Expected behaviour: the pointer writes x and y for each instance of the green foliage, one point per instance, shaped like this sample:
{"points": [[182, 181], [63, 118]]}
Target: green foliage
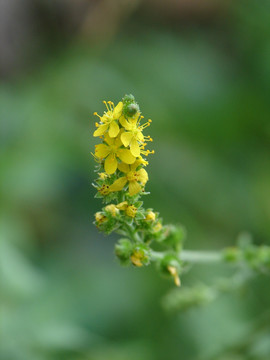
{"points": [[62, 296]]}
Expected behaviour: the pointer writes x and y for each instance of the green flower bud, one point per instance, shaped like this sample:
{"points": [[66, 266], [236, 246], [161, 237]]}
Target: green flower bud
{"points": [[100, 218], [174, 236], [123, 251], [170, 266], [112, 210], [128, 99], [140, 255], [130, 107]]}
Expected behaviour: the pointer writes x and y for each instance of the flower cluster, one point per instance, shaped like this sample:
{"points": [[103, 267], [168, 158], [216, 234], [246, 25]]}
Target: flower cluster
{"points": [[121, 161], [122, 153], [121, 158]]}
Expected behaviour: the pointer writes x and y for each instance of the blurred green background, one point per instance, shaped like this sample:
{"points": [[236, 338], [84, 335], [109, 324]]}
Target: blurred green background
{"points": [[201, 72]]}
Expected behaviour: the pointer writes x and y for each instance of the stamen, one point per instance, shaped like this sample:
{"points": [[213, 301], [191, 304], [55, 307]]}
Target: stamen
{"points": [[96, 158], [105, 102], [145, 125], [96, 114]]}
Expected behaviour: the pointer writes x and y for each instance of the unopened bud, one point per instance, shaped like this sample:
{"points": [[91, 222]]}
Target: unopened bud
{"points": [[100, 218], [150, 216], [131, 211], [123, 250], [170, 266], [140, 255], [104, 189], [112, 209]]}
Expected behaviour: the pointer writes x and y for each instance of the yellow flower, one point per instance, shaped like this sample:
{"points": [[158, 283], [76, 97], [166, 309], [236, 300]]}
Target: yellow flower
{"points": [[142, 161], [100, 218], [112, 209], [134, 137], [130, 210], [122, 206], [102, 176], [104, 189], [136, 258], [109, 120], [140, 256], [151, 216], [110, 151], [135, 179]]}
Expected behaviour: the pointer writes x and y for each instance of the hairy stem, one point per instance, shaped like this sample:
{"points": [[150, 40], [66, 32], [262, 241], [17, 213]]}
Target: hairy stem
{"points": [[201, 256], [194, 256]]}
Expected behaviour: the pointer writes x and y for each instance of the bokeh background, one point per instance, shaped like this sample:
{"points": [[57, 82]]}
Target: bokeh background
{"points": [[201, 71]]}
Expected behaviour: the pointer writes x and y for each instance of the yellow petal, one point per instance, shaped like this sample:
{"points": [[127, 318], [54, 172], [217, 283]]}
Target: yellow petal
{"points": [[142, 161], [108, 139], [117, 111], [118, 141], [126, 156], [101, 151], [118, 184], [110, 164], [143, 176], [134, 166], [126, 138], [124, 122], [114, 129], [136, 261], [134, 147], [134, 188], [100, 130], [140, 136], [123, 167], [122, 206], [135, 118]]}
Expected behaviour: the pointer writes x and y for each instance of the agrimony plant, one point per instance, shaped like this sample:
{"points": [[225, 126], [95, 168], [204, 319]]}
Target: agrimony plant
{"points": [[122, 158]]}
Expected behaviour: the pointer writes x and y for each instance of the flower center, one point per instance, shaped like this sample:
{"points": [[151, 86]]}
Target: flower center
{"points": [[108, 117], [133, 176], [113, 148]]}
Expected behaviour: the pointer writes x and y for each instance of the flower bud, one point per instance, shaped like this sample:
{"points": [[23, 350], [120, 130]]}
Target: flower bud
{"points": [[122, 206], [100, 218], [170, 266], [128, 98], [104, 189], [123, 250], [132, 109], [174, 236], [131, 211], [112, 209], [140, 255], [150, 216]]}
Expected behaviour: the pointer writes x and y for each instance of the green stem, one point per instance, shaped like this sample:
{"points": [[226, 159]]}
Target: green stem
{"points": [[201, 256], [133, 235], [192, 256]]}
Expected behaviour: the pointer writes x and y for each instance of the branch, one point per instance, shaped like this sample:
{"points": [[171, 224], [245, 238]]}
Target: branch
{"points": [[193, 256]]}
